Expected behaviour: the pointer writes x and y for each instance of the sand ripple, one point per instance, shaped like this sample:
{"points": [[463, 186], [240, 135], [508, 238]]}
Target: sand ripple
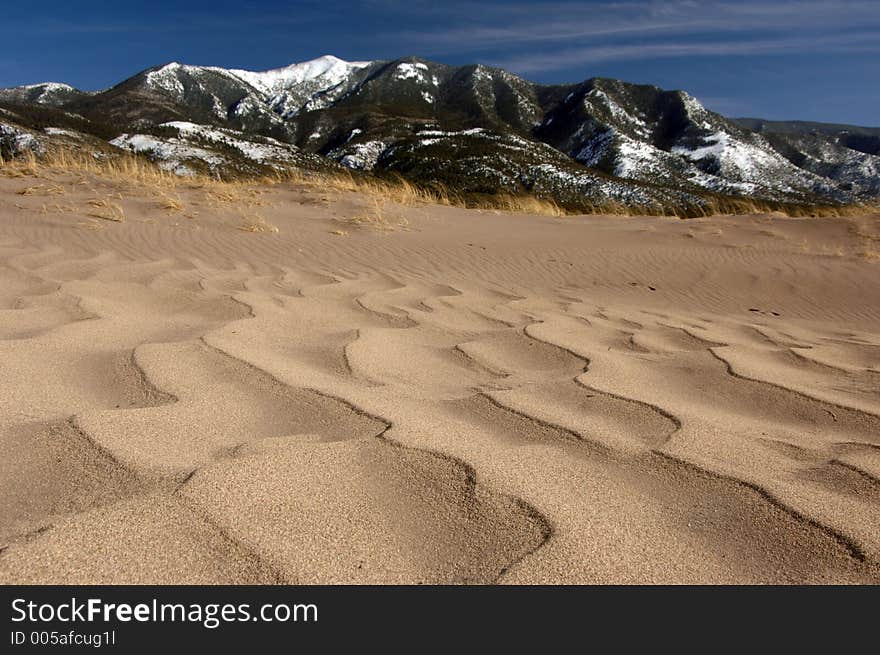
{"points": [[227, 407]]}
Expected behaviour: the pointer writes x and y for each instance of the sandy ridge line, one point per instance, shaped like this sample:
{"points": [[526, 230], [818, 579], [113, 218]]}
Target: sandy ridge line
{"points": [[346, 360], [583, 358], [578, 381], [260, 560], [729, 368], [824, 365], [859, 444], [543, 522], [26, 537], [531, 512], [576, 437], [871, 479], [852, 547], [153, 392], [168, 398], [491, 370], [689, 332], [103, 452], [677, 422], [401, 321], [805, 396], [246, 551]]}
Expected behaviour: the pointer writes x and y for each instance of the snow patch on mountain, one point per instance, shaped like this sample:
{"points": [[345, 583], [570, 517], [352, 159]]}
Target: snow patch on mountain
{"points": [[597, 98], [360, 156], [550, 178], [14, 141], [286, 91], [416, 71], [167, 79], [724, 155], [171, 154], [468, 132], [595, 149], [638, 160], [832, 160], [50, 92], [46, 93], [695, 110], [264, 151], [635, 133], [329, 69], [58, 131]]}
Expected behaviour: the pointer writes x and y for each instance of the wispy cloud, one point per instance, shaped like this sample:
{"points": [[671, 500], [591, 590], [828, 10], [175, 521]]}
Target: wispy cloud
{"points": [[617, 28], [182, 22], [571, 57], [491, 25]]}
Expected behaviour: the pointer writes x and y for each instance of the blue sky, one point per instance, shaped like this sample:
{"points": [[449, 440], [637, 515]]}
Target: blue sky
{"points": [[805, 59]]}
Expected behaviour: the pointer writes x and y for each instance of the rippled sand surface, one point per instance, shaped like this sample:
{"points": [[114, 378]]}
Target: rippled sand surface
{"points": [[470, 397]]}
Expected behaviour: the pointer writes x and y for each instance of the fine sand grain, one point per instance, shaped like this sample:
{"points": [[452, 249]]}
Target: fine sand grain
{"points": [[447, 396]]}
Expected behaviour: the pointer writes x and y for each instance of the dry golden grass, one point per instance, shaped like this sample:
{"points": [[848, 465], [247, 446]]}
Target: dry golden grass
{"points": [[867, 230], [372, 216], [171, 203], [864, 228], [221, 195], [527, 205], [255, 223], [137, 173], [26, 165], [833, 251], [106, 209], [58, 208], [871, 254], [238, 193], [379, 213], [42, 190], [395, 189], [91, 225], [123, 168]]}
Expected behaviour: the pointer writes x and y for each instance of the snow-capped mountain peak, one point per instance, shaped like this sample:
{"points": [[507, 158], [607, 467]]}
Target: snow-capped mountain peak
{"points": [[329, 69], [45, 93], [50, 86], [284, 91], [601, 138]]}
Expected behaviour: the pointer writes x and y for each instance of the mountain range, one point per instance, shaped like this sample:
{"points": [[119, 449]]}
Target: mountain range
{"points": [[474, 129]]}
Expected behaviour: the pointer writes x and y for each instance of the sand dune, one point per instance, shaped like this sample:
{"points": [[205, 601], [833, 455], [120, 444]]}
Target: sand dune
{"points": [[471, 397]]}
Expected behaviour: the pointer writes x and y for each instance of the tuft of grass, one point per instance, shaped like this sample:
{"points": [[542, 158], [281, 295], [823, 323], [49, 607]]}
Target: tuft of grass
{"points": [[871, 254], [106, 209], [521, 204], [91, 225], [372, 216], [136, 171], [123, 167], [42, 190], [57, 208], [171, 203], [256, 224], [24, 165]]}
